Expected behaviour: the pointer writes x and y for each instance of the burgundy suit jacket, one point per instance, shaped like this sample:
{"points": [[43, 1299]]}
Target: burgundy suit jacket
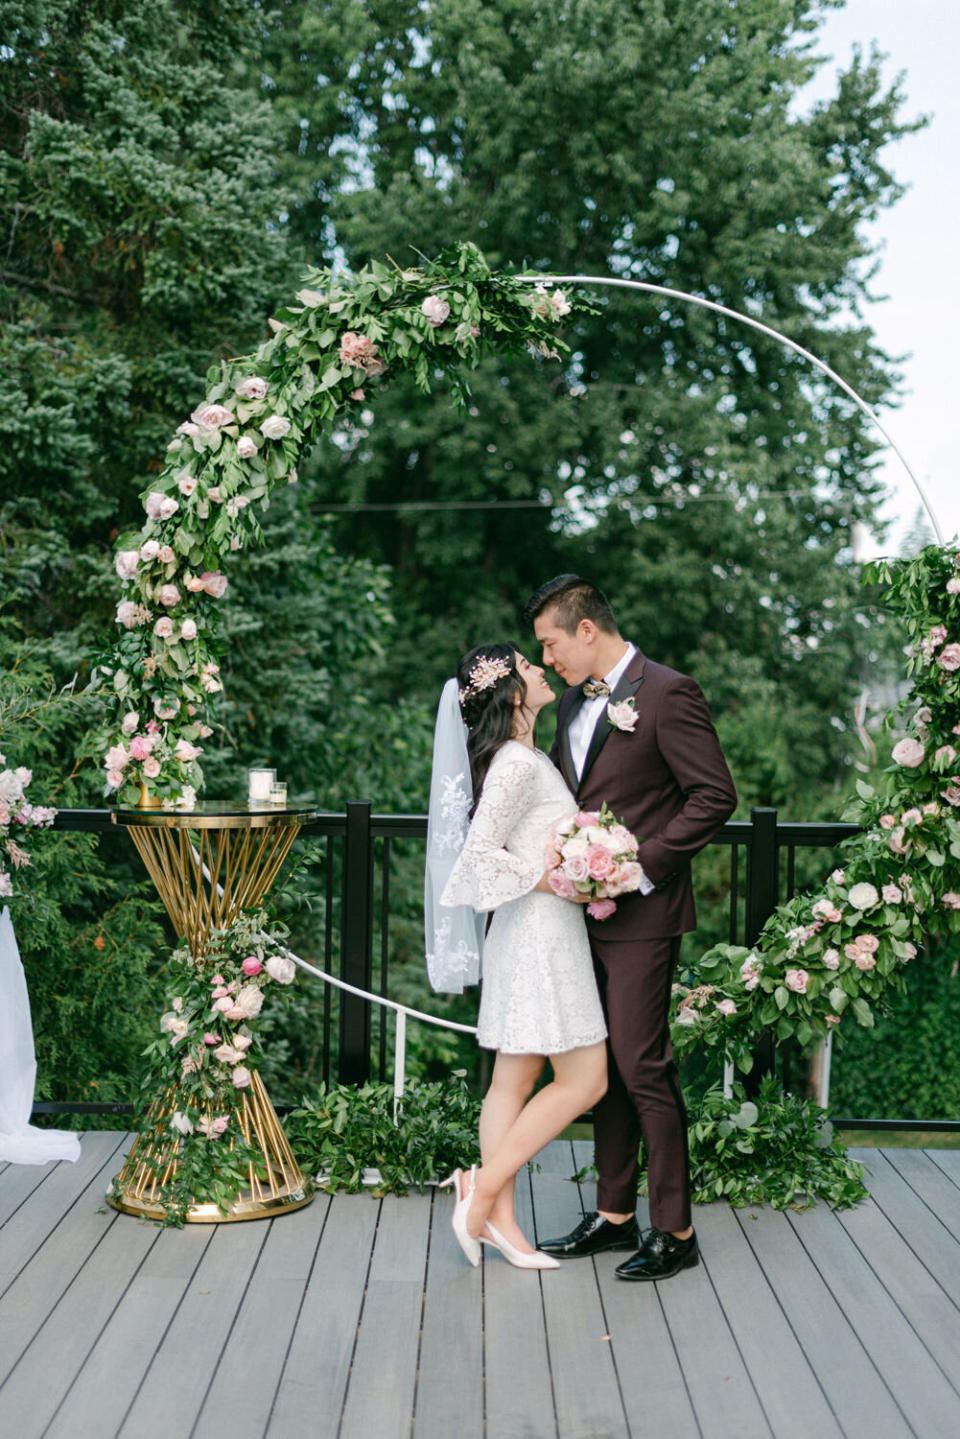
{"points": [[667, 781]]}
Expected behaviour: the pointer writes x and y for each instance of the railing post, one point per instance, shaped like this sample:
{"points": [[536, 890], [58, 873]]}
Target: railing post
{"points": [[762, 872], [760, 901], [356, 944]]}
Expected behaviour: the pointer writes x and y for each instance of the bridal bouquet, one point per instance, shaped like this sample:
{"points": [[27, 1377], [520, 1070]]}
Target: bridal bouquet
{"points": [[592, 853]]}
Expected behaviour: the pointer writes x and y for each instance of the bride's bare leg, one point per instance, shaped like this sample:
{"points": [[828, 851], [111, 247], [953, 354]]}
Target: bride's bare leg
{"points": [[579, 1080], [514, 1077]]}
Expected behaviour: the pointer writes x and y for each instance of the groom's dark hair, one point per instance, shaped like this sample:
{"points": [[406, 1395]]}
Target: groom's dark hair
{"points": [[574, 599]]}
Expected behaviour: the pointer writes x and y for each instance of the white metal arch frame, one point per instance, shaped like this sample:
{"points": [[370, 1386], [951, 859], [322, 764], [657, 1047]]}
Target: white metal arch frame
{"points": [[687, 298]]}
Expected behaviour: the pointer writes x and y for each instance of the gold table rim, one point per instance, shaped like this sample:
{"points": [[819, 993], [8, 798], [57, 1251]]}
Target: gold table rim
{"points": [[218, 817]]}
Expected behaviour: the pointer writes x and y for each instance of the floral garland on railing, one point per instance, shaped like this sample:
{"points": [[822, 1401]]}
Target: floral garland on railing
{"points": [[17, 811], [826, 955], [243, 441], [205, 1056]]}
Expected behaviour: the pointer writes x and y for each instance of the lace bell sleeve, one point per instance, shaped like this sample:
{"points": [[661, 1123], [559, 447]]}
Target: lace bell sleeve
{"points": [[486, 874]]}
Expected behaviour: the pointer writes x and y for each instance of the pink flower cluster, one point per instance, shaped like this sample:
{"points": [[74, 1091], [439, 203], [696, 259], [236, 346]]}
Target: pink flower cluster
{"points": [[360, 352], [16, 809], [592, 854]]}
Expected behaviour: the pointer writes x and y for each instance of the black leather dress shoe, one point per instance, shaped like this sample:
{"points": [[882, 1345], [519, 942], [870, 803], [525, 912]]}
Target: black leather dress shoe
{"points": [[593, 1235], [660, 1256]]}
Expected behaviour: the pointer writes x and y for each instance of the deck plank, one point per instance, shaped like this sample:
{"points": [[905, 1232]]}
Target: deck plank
{"points": [[104, 1389], [449, 1396], [787, 1388], [311, 1389], [930, 1238], [240, 1397], [514, 1325], [849, 1377], [380, 1395], [924, 1395], [587, 1394], [172, 1393]]}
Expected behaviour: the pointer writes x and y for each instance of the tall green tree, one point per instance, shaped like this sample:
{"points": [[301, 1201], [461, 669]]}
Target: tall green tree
{"points": [[705, 474]]}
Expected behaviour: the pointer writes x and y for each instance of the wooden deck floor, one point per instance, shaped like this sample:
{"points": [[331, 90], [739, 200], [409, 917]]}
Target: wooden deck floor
{"points": [[359, 1317]]}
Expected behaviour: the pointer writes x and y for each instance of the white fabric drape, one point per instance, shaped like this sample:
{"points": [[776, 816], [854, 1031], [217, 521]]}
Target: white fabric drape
{"points": [[20, 1141]]}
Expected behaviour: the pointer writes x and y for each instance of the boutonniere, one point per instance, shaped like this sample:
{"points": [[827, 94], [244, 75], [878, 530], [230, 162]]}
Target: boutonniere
{"points": [[623, 715]]}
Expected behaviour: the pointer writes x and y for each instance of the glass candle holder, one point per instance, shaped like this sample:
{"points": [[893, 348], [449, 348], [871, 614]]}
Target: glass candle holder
{"points": [[278, 792], [258, 784]]}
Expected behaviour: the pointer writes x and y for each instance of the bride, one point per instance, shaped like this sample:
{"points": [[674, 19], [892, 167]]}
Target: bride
{"points": [[539, 996]]}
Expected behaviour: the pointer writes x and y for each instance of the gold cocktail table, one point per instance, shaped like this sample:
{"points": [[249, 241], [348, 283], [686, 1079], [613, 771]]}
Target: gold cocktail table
{"points": [[209, 865]]}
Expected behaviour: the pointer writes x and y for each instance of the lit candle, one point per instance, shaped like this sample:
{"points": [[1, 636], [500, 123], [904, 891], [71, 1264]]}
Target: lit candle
{"points": [[259, 782]]}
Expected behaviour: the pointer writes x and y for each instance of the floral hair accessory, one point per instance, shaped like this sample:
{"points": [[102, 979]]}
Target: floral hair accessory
{"points": [[484, 676]]}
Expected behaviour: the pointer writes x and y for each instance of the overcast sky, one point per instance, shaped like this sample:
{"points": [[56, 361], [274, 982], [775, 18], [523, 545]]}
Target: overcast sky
{"points": [[920, 274]]}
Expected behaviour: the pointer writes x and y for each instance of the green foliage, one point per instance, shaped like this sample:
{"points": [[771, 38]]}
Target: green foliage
{"points": [[343, 1131], [779, 1151]]}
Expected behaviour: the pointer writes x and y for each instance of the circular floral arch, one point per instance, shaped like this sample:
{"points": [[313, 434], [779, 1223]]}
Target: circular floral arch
{"points": [[821, 955]]}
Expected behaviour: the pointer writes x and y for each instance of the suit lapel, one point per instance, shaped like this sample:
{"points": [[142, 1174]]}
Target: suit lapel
{"points": [[627, 685], [566, 755]]}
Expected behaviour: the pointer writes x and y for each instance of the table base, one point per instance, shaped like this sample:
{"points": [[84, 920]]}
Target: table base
{"points": [[278, 1187]]}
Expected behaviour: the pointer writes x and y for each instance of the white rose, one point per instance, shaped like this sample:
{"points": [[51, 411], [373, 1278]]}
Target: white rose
{"points": [[275, 427], [281, 969], [182, 1123], [863, 895]]}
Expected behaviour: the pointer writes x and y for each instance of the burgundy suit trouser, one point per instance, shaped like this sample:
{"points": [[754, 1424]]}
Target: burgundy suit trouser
{"points": [[643, 1098]]}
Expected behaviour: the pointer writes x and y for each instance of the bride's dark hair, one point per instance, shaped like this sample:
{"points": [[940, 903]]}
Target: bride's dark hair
{"points": [[489, 712]]}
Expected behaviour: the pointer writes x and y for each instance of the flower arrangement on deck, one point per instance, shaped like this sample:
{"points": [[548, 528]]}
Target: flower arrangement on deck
{"points": [[827, 957], [16, 814]]}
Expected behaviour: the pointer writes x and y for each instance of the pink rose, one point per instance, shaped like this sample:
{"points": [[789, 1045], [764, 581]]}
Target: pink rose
{"points": [[250, 1000], [241, 1077], [211, 1039], [839, 876], [888, 821], [185, 751], [952, 795], [831, 1019], [188, 630], [246, 448], [623, 716], [951, 900], [867, 942], [600, 862], [953, 585], [435, 309], [169, 595], [908, 752], [601, 908], [151, 768], [912, 816], [796, 979], [910, 950], [214, 584], [727, 1007], [214, 493], [186, 484], [863, 959], [194, 584], [212, 417], [561, 884], [188, 428], [149, 550], [357, 395], [126, 562], [226, 1054], [944, 756], [159, 506], [631, 875], [224, 1003], [949, 657], [163, 629], [130, 721], [587, 817], [141, 746], [831, 959], [128, 614], [897, 842], [892, 894], [254, 387], [575, 867], [251, 965], [166, 555], [114, 778], [826, 909]]}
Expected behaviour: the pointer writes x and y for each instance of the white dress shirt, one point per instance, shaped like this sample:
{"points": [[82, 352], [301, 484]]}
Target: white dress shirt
{"points": [[585, 720]]}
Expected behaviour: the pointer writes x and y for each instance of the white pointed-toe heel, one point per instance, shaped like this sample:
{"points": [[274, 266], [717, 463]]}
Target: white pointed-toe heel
{"points": [[515, 1256], [469, 1245]]}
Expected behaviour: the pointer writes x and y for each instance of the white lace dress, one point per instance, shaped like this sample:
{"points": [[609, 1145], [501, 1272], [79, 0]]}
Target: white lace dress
{"points": [[539, 994]]}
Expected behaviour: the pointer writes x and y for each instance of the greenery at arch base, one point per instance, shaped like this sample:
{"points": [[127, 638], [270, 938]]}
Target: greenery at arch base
{"points": [[823, 961]]}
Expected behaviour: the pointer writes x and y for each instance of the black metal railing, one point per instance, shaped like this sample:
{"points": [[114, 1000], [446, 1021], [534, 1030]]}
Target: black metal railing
{"points": [[356, 939]]}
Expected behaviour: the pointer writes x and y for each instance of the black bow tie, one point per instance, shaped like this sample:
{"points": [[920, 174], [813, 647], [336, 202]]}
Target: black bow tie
{"points": [[593, 689]]}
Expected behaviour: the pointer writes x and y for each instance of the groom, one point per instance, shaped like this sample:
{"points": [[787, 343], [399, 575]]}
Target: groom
{"points": [[637, 735]]}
